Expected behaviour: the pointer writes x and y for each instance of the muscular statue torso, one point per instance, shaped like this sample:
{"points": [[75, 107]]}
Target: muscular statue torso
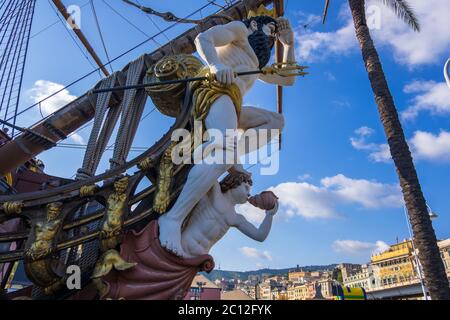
{"points": [[241, 58], [214, 215], [207, 225]]}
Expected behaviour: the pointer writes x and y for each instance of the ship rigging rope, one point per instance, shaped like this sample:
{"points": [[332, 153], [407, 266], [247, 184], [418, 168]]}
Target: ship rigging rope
{"points": [[11, 56], [15, 25], [101, 34], [101, 131], [132, 106], [149, 17], [109, 62], [71, 36], [52, 24], [213, 2], [7, 13], [129, 22], [2, 4], [26, 41], [110, 147]]}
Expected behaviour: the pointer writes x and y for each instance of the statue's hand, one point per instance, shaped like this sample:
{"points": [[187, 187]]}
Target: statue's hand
{"points": [[224, 74], [285, 32]]}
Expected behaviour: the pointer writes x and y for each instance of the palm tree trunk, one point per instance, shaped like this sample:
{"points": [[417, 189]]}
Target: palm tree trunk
{"points": [[424, 236]]}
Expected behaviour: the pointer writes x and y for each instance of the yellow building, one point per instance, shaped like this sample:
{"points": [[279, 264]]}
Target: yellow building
{"points": [[395, 265], [296, 275], [298, 292], [279, 294], [444, 248]]}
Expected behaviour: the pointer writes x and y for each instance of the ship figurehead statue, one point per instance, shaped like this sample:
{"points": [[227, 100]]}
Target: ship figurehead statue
{"points": [[164, 257]]}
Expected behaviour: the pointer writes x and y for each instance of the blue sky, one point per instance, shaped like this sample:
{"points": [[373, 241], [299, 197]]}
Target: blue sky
{"points": [[339, 193]]}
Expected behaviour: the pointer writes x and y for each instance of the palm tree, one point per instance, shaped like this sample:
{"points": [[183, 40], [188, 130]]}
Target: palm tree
{"points": [[424, 236]]}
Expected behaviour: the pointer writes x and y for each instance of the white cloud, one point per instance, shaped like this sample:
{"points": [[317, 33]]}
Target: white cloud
{"points": [[354, 247], [322, 201], [77, 138], [255, 253], [378, 152], [306, 200], [304, 177], [43, 89], [432, 96], [428, 146], [364, 131], [382, 153], [423, 146], [410, 48], [369, 194], [316, 46]]}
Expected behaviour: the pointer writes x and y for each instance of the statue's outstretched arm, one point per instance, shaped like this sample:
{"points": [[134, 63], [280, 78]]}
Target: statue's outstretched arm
{"points": [[259, 234]]}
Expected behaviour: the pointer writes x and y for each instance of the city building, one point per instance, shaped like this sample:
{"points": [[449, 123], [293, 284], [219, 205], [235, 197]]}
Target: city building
{"points": [[203, 289], [296, 276], [444, 248], [279, 294], [362, 277], [326, 288], [264, 291], [391, 274], [235, 295], [298, 292], [306, 276], [254, 278], [395, 265], [348, 270], [396, 270]]}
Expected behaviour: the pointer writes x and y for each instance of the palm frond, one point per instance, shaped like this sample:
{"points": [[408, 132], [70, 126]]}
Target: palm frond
{"points": [[404, 11]]}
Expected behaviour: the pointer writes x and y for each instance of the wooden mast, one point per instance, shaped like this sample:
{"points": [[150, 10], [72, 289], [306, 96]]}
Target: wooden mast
{"points": [[325, 12], [76, 29], [279, 8]]}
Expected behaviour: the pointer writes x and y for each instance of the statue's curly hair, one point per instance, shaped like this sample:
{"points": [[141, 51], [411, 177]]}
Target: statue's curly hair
{"points": [[234, 180]]}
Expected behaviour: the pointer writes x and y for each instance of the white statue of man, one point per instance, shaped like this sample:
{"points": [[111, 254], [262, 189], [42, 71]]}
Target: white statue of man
{"points": [[238, 46], [215, 213]]}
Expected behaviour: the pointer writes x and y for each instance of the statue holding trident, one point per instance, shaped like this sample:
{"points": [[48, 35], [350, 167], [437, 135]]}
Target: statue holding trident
{"points": [[160, 261], [239, 46]]}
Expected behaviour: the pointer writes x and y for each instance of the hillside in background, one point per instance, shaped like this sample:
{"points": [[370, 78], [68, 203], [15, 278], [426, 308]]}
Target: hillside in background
{"points": [[243, 275]]}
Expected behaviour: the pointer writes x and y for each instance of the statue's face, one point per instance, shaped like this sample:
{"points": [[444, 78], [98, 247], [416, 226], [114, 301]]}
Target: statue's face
{"points": [[262, 39], [242, 193], [269, 29]]}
